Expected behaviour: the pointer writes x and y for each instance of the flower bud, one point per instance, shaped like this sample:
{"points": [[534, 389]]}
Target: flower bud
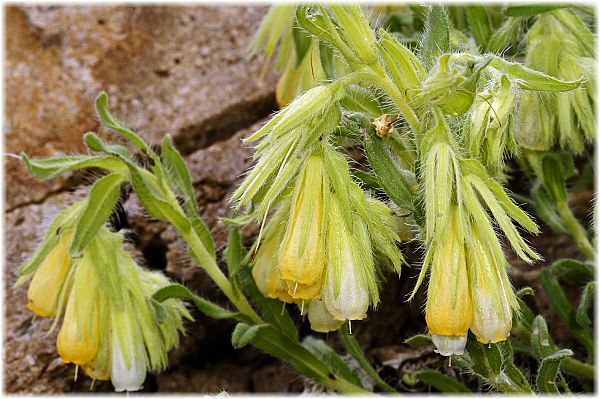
{"points": [[488, 132], [449, 311], [320, 319], [301, 258], [78, 338], [491, 293], [48, 281]]}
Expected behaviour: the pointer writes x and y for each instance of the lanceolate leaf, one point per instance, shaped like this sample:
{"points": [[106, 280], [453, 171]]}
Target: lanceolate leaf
{"points": [[51, 167], [439, 381], [529, 10], [99, 205], [354, 349], [587, 303], [208, 308], [398, 183], [436, 40], [269, 339], [328, 356], [561, 305], [572, 270], [234, 253], [480, 25], [180, 174], [549, 369]]}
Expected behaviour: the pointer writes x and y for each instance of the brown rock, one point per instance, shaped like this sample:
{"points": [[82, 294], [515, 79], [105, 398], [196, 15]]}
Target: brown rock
{"points": [[178, 70]]}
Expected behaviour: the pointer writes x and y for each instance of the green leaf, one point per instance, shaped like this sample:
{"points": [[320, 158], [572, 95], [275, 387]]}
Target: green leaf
{"points": [[268, 339], [541, 341], [436, 39], [210, 309], [439, 381], [480, 25], [149, 193], [549, 371], [418, 341], [529, 10], [328, 356], [572, 270], [99, 205], [326, 56], [95, 143], [273, 311], [302, 43], [49, 168], [529, 79], [545, 209], [586, 304], [234, 253], [398, 183], [557, 168], [561, 305], [113, 123], [508, 365], [180, 174], [487, 359], [354, 349]]}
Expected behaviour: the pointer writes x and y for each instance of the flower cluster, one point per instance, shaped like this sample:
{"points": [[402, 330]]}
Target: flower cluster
{"points": [[468, 285], [567, 119], [317, 247], [111, 327]]}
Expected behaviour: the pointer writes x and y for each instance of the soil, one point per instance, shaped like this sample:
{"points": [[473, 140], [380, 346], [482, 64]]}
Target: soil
{"points": [[183, 71]]}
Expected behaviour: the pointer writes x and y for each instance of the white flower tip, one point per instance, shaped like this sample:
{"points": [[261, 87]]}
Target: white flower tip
{"points": [[449, 345]]}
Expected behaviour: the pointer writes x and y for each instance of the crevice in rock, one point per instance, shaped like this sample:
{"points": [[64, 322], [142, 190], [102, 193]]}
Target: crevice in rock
{"points": [[65, 187], [225, 124]]}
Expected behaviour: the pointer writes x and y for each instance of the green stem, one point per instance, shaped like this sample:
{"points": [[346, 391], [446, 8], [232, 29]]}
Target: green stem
{"points": [[212, 269], [577, 368], [575, 229]]}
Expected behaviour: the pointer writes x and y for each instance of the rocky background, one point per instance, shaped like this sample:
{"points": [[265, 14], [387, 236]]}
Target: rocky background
{"points": [[183, 71]]}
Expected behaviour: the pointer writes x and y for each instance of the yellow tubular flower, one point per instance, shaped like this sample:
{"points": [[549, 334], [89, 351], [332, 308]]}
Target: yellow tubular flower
{"points": [[100, 367], [48, 280], [492, 295], [78, 338], [301, 260], [449, 311], [265, 272]]}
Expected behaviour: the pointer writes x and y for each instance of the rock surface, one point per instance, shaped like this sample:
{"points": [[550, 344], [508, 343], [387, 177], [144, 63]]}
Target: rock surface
{"points": [[180, 70], [177, 70]]}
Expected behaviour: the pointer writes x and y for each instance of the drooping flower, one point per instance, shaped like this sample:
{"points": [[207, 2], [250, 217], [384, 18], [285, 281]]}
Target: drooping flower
{"points": [[491, 292], [265, 270], [301, 258], [111, 328], [349, 261], [79, 336], [48, 280], [449, 310]]}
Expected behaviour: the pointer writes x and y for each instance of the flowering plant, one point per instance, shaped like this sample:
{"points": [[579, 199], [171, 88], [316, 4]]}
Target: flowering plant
{"points": [[438, 121]]}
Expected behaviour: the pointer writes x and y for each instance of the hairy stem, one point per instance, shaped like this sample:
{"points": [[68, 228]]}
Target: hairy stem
{"points": [[576, 230]]}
